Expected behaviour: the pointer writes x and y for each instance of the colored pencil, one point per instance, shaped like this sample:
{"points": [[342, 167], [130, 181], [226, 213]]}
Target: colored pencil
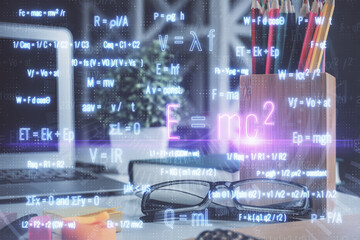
{"points": [[308, 35], [280, 38], [260, 64], [302, 22], [328, 12], [290, 34], [312, 43], [280, 41], [255, 34], [273, 14], [321, 5], [265, 34]]}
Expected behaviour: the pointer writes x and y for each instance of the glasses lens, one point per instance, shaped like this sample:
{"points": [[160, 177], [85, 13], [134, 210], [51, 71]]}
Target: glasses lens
{"points": [[270, 194], [178, 195]]}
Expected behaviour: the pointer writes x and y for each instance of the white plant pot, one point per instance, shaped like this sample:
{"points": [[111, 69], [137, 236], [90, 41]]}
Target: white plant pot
{"points": [[136, 147]]}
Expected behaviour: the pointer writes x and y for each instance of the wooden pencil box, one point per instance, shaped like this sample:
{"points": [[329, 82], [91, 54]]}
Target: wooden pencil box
{"points": [[291, 120]]}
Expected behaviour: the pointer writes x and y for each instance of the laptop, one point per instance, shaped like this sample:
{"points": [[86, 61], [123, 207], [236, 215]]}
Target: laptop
{"points": [[37, 143]]}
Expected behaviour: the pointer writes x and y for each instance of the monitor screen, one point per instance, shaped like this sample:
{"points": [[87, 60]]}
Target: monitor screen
{"points": [[28, 96]]}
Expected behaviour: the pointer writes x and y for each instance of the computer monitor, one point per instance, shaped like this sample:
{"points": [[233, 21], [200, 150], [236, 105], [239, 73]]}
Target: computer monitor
{"points": [[36, 101]]}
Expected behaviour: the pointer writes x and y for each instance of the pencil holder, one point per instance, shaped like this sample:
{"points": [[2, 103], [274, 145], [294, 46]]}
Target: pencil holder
{"points": [[290, 132]]}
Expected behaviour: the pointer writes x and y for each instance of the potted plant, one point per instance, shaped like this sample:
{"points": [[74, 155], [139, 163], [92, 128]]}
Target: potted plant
{"points": [[134, 110]]}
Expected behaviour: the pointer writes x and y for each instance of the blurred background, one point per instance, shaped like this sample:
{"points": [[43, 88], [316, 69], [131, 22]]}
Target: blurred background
{"points": [[196, 76]]}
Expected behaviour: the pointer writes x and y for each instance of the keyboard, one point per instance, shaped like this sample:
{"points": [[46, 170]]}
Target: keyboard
{"points": [[11, 176]]}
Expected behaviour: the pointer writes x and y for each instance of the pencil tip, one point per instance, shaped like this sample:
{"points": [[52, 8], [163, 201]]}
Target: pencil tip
{"points": [[332, 2], [253, 4], [275, 4], [315, 7]]}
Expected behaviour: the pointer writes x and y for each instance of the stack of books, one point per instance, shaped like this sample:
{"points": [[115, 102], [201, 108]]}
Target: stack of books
{"points": [[208, 168]]}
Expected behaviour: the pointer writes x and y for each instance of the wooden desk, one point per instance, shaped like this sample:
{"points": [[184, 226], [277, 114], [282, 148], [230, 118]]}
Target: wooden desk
{"points": [[317, 229], [130, 205]]}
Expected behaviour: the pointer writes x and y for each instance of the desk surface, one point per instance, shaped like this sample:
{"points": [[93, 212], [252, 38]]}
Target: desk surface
{"points": [[130, 205], [346, 227]]}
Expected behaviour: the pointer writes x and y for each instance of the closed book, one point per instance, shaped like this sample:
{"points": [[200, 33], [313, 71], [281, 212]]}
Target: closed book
{"points": [[208, 168]]}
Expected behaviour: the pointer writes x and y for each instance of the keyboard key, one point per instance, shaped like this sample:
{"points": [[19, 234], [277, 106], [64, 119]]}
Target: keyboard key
{"points": [[42, 175]]}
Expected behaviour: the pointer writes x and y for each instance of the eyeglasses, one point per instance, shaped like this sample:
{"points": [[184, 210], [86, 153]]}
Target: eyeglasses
{"points": [[258, 195]]}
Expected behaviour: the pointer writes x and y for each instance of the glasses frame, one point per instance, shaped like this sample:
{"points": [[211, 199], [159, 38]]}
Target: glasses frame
{"points": [[230, 186]]}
